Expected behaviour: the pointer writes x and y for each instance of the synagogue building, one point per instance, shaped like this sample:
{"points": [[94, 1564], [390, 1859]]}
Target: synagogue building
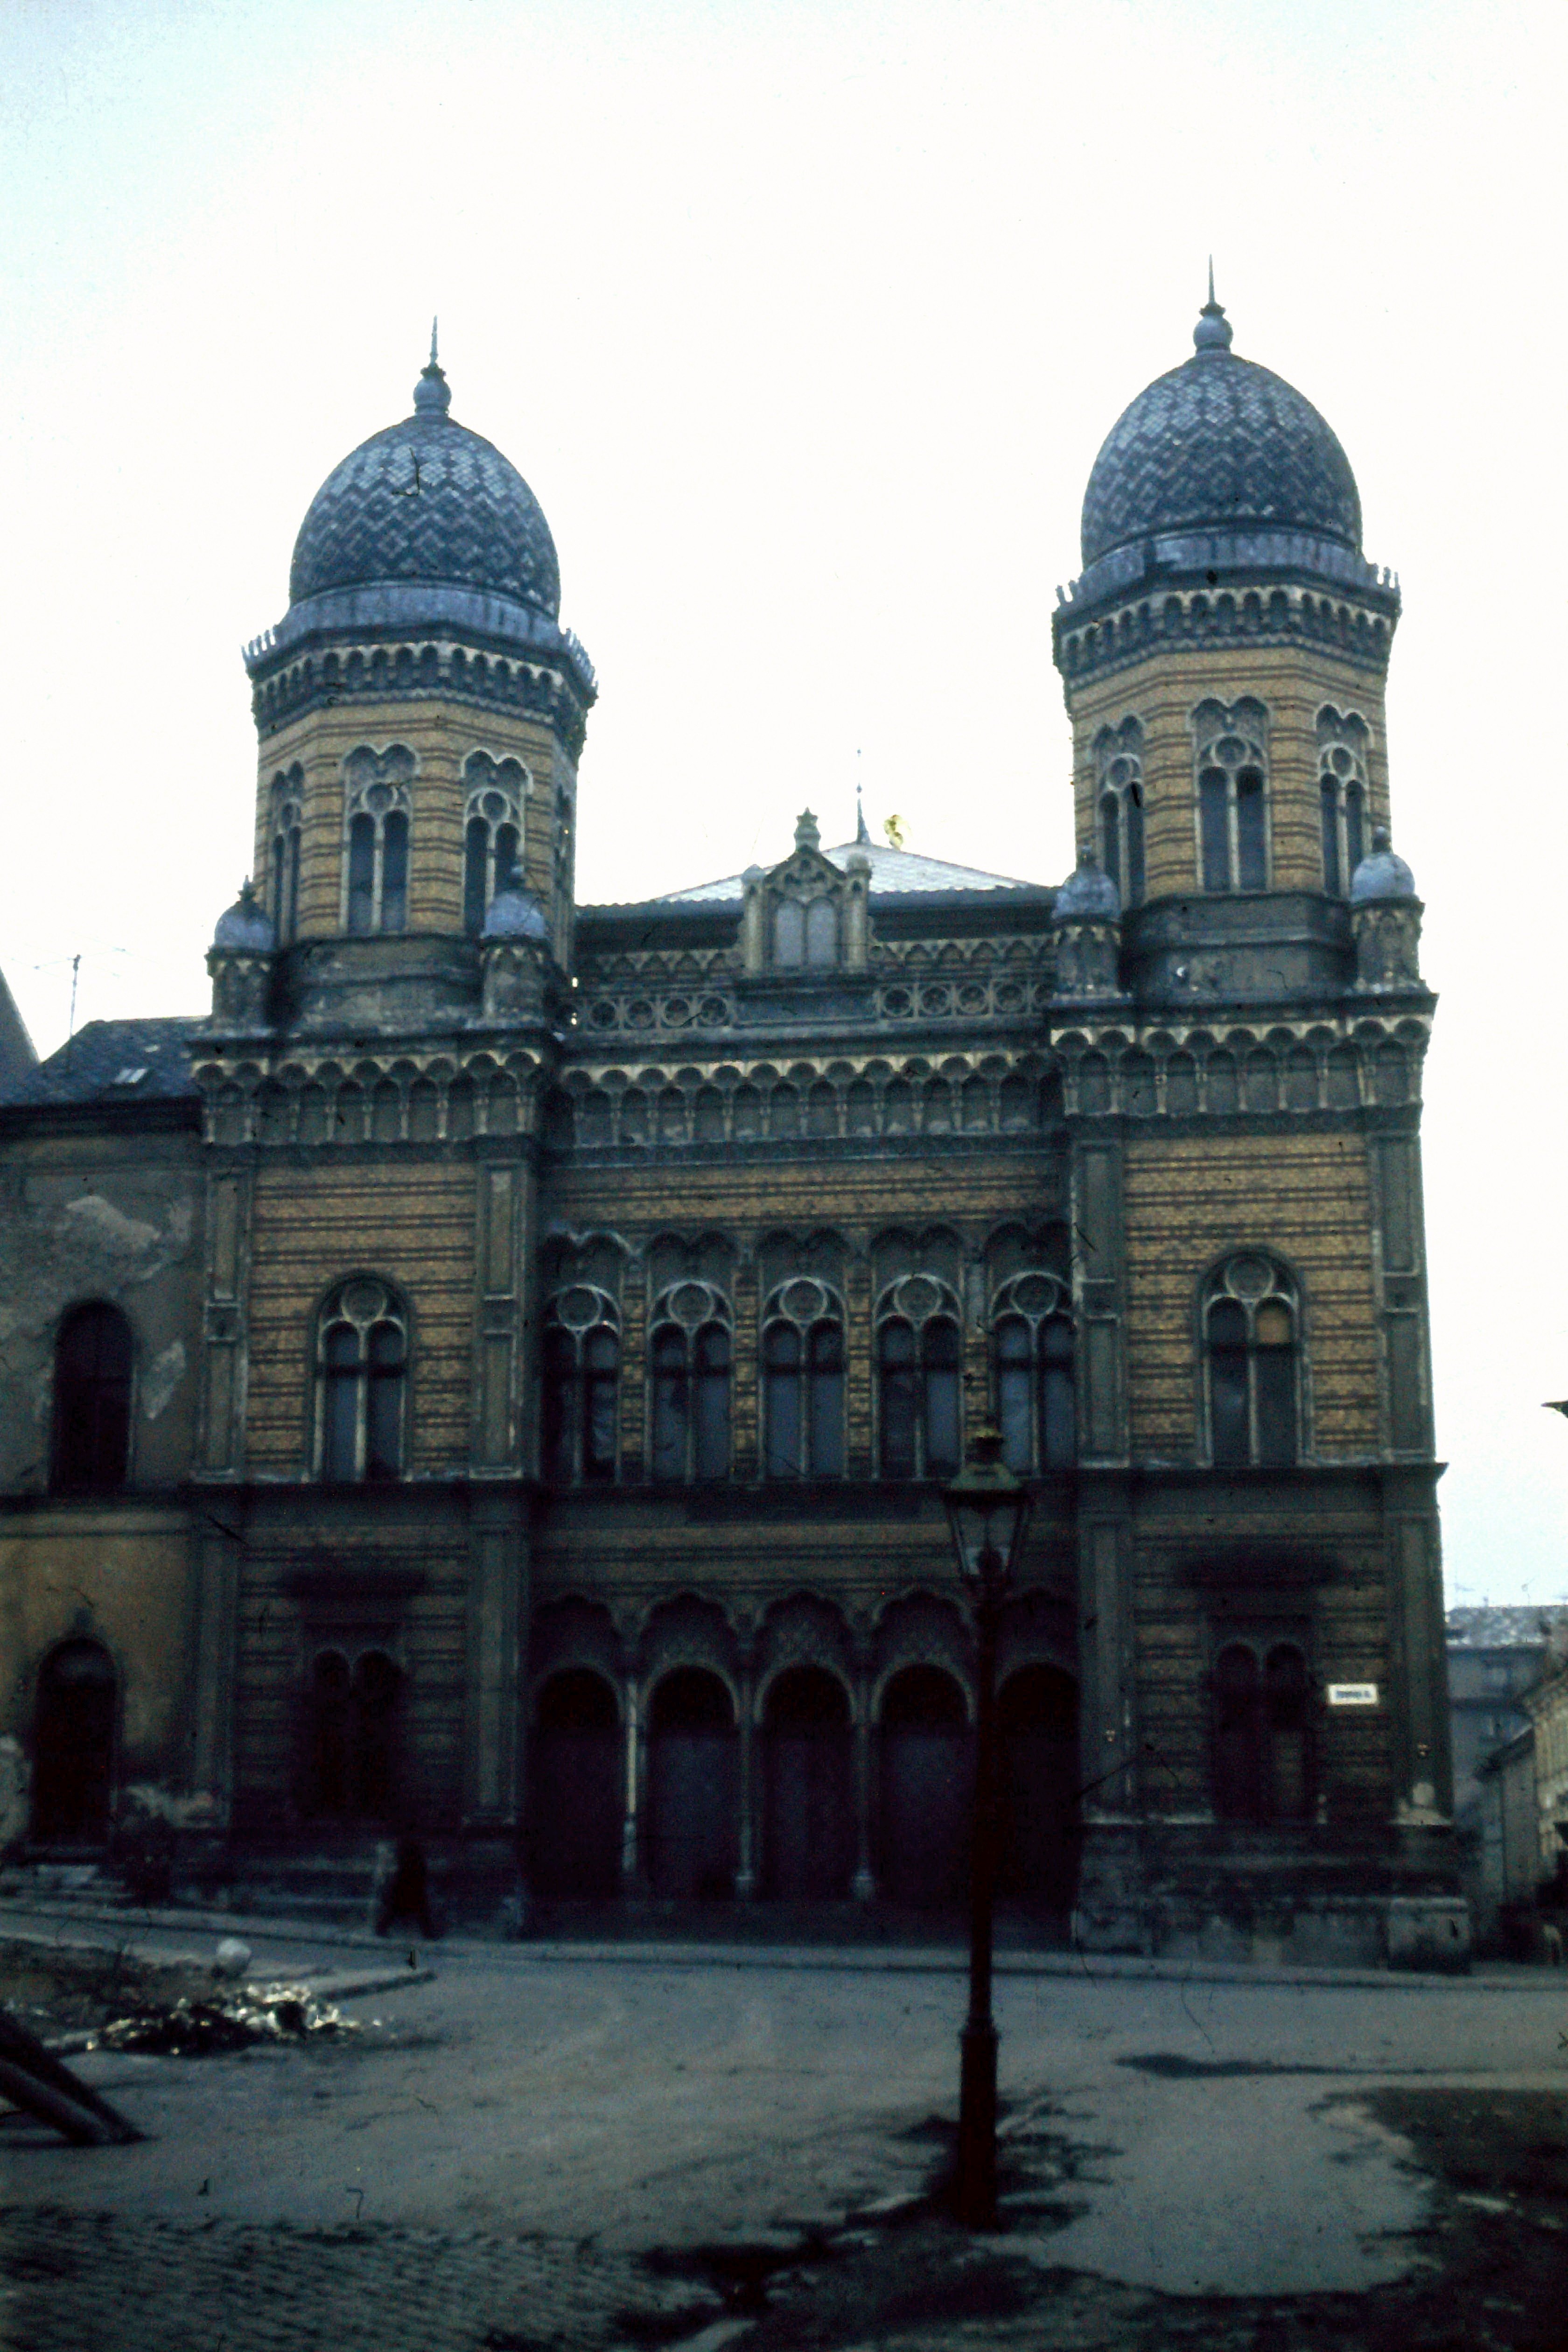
{"points": [[494, 1377]]}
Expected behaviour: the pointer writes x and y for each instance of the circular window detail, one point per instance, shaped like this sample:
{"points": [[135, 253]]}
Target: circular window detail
{"points": [[1249, 1278], [804, 1301], [579, 1309], [916, 1296]]}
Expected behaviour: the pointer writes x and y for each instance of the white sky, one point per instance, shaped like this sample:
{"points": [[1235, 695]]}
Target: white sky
{"points": [[805, 323]]}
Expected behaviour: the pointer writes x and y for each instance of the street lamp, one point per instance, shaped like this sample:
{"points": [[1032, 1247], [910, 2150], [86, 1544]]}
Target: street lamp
{"points": [[987, 1510]]}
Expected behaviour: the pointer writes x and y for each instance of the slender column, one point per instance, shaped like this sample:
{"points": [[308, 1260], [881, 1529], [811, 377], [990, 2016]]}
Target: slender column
{"points": [[496, 1636], [864, 1885], [746, 1873], [218, 1622], [631, 1824]]}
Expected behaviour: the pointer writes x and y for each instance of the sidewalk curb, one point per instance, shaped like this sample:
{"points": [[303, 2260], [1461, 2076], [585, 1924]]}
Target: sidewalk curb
{"points": [[1096, 1968]]}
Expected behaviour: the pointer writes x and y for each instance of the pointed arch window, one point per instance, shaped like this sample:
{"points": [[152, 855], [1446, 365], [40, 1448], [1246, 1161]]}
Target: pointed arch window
{"points": [[1032, 1344], [802, 1381], [689, 1364], [1342, 796], [1119, 785], [362, 1361], [378, 804], [288, 804], [1232, 779], [581, 1400], [93, 1358], [920, 1416], [1251, 1325], [492, 831]]}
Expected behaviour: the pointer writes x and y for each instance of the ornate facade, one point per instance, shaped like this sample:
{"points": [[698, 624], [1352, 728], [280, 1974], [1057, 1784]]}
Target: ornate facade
{"points": [[497, 1373]]}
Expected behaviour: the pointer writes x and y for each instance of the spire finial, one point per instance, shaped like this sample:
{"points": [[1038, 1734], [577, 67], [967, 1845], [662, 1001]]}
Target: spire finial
{"points": [[1211, 305], [1212, 333], [862, 838], [432, 394], [436, 322]]}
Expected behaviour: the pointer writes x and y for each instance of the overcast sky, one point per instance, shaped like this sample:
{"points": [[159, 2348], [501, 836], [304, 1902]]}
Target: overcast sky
{"points": [[805, 323]]}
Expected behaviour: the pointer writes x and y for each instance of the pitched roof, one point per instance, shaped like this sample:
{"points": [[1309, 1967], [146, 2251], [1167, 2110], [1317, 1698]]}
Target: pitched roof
{"points": [[1502, 1629], [902, 873], [16, 1054], [112, 1062]]}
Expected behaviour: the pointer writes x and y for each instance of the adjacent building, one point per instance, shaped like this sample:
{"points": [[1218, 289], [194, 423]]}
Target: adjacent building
{"points": [[497, 1373]]}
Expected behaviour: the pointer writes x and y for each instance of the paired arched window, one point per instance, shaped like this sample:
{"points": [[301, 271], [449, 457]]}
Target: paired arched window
{"points": [[582, 1364], [287, 798], [1232, 769], [806, 931], [1032, 1344], [1262, 1753], [689, 1356], [492, 831], [802, 1382], [351, 1736], [362, 1361], [1342, 795], [919, 1420], [1251, 1329], [378, 802], [93, 1357], [1118, 787]]}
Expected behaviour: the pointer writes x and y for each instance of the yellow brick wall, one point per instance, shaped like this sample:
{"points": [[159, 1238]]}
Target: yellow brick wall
{"points": [[409, 1220], [1188, 1199], [1293, 683], [441, 735]]}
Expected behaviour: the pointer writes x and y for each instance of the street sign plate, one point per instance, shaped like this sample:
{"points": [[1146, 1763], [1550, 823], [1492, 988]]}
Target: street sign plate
{"points": [[1352, 1694]]}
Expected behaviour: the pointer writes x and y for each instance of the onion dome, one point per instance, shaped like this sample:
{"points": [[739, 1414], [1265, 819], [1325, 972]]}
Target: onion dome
{"points": [[1382, 874], [1219, 445], [1089, 895], [427, 500], [515, 913], [245, 926]]}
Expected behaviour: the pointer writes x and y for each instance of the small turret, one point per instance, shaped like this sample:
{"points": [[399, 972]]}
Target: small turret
{"points": [[1087, 920], [1385, 921], [240, 961]]}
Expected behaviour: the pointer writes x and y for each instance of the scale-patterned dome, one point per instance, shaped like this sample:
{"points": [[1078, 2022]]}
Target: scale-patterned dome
{"points": [[1218, 444], [427, 500]]}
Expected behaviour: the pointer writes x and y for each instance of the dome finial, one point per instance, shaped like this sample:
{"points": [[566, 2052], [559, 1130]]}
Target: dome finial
{"points": [[1212, 333], [432, 394]]}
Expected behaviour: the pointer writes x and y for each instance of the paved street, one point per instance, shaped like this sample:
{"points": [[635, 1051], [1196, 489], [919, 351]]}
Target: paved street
{"points": [[492, 2160]]}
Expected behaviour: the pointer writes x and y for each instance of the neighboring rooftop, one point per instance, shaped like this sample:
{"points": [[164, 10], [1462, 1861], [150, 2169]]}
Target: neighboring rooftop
{"points": [[17, 1054], [1503, 1629], [895, 872], [112, 1062]]}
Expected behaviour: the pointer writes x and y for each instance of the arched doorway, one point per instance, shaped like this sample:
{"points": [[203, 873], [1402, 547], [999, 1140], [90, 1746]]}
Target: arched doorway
{"points": [[73, 1746], [808, 1836], [574, 1797], [1037, 1723], [927, 1786], [692, 1778]]}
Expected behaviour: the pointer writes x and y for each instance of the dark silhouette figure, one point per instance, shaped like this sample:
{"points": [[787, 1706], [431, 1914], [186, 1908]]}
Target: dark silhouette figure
{"points": [[407, 1895]]}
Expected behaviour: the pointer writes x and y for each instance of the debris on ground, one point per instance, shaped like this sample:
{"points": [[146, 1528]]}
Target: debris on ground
{"points": [[200, 2029], [38, 2083]]}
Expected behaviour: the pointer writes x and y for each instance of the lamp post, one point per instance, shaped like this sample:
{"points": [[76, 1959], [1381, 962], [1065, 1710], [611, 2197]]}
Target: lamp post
{"points": [[987, 1510]]}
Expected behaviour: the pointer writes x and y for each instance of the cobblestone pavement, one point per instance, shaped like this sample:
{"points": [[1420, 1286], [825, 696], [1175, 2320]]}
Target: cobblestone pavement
{"points": [[536, 2154]]}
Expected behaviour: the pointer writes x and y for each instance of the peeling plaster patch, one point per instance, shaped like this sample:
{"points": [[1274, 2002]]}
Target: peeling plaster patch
{"points": [[162, 1378], [154, 1802], [93, 1217]]}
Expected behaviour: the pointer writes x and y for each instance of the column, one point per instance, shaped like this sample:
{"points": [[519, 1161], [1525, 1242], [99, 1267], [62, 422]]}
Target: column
{"points": [[864, 1885], [746, 1873], [632, 1877], [497, 1623], [217, 1558]]}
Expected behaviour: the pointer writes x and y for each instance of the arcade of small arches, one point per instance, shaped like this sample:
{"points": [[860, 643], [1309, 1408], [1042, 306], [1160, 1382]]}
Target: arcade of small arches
{"points": [[1192, 616], [384, 672], [802, 1756], [1003, 996], [1194, 1072], [405, 1100], [991, 1095]]}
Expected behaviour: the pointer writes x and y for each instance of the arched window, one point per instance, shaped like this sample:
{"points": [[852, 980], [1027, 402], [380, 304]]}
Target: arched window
{"points": [[1033, 1362], [1262, 1760], [802, 1381], [287, 793], [73, 1745], [1251, 1330], [581, 1380], [689, 1360], [917, 1364], [93, 1401], [1232, 769], [806, 931], [378, 801], [1342, 793], [492, 831], [362, 1359], [1119, 785], [789, 932]]}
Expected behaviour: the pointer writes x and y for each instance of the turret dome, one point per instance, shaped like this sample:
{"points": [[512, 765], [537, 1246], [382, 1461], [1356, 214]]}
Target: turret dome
{"points": [[1089, 895], [1383, 875], [427, 502], [1219, 445]]}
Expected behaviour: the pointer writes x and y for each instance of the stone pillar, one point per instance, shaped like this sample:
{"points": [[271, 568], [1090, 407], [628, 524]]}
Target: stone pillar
{"points": [[1110, 1894], [635, 1759], [497, 1629], [864, 1887], [214, 1665]]}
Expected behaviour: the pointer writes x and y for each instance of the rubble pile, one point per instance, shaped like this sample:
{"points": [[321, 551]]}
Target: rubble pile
{"points": [[199, 2029]]}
